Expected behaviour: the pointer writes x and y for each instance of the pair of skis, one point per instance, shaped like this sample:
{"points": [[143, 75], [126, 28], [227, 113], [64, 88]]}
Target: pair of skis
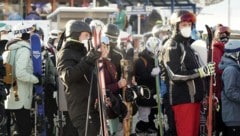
{"points": [[40, 121]]}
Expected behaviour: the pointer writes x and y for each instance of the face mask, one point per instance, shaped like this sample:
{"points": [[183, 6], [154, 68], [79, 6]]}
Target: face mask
{"points": [[85, 43], [186, 32], [224, 39]]}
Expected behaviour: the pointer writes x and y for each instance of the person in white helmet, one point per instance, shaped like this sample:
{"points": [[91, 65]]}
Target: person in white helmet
{"points": [[19, 100]]}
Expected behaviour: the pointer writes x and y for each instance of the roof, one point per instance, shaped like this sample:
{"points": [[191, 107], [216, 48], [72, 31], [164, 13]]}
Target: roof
{"points": [[159, 3]]}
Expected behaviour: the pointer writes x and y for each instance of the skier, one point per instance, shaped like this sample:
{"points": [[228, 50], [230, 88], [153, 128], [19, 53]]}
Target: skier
{"points": [[4, 36], [112, 32], [75, 65], [33, 15], [25, 79], [116, 110], [231, 89], [185, 77], [221, 37], [121, 19], [145, 73]]}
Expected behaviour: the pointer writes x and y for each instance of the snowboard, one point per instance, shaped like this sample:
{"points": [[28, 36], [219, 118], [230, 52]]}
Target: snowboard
{"points": [[40, 122]]}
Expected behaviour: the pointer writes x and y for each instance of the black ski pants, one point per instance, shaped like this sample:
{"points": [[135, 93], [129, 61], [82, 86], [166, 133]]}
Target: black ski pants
{"points": [[23, 122]]}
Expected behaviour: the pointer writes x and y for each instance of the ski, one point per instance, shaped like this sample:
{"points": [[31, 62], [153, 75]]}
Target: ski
{"points": [[210, 93], [40, 122], [97, 27], [158, 92]]}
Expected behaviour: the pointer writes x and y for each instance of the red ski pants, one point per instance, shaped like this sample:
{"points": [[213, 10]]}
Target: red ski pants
{"points": [[187, 118]]}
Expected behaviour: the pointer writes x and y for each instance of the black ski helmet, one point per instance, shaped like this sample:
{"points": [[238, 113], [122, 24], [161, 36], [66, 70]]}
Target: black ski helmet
{"points": [[75, 27], [180, 16], [112, 32]]}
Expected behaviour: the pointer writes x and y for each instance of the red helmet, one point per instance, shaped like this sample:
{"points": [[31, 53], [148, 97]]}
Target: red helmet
{"points": [[181, 16]]}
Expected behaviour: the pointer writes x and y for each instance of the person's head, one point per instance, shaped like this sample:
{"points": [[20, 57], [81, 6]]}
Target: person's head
{"points": [[22, 31], [77, 31], [222, 33], [232, 50], [161, 32], [105, 46], [182, 23], [112, 32], [4, 31], [153, 46], [53, 35]]}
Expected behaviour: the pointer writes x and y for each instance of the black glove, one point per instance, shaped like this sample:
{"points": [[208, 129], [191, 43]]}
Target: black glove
{"points": [[39, 79], [92, 56]]}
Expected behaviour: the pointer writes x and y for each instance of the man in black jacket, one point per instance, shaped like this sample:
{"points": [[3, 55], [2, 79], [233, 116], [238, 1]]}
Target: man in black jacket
{"points": [[185, 75], [75, 65]]}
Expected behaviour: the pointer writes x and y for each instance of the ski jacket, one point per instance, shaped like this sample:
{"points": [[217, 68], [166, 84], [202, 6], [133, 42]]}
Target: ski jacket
{"points": [[110, 75], [143, 68], [33, 15], [230, 94], [116, 55], [75, 74], [121, 20], [181, 63], [218, 50], [24, 76]]}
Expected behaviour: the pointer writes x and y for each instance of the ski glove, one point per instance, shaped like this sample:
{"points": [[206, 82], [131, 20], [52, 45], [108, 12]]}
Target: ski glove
{"points": [[155, 71], [92, 56], [39, 79], [207, 70]]}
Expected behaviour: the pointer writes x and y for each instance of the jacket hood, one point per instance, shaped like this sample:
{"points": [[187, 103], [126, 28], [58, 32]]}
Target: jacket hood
{"points": [[226, 61], [11, 45]]}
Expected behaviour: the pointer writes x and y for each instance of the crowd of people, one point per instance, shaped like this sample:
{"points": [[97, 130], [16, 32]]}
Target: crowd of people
{"points": [[70, 63]]}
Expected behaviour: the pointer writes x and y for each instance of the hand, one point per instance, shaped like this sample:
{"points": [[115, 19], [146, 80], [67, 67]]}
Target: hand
{"points": [[92, 56], [155, 71], [39, 77], [207, 70], [122, 83]]}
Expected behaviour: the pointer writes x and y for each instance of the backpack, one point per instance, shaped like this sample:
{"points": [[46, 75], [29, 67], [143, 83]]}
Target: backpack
{"points": [[9, 64]]}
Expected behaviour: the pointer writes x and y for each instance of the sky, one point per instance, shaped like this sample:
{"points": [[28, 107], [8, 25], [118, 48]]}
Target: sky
{"points": [[218, 13]]}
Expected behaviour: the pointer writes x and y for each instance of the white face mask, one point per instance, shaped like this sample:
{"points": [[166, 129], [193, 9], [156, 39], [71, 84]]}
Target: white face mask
{"points": [[186, 32], [85, 42]]}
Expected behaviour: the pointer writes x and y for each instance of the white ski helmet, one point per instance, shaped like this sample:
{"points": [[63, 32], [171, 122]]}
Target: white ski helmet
{"points": [[21, 28], [153, 45]]}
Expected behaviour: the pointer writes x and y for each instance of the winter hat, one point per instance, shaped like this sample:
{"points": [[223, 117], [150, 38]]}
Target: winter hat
{"points": [[232, 46]]}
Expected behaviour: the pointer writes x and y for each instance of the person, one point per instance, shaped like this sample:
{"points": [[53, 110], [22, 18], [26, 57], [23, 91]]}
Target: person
{"points": [[14, 15], [20, 101], [75, 65], [221, 37], [185, 75], [163, 32], [4, 36], [121, 19], [145, 72], [230, 95], [116, 110], [112, 32], [33, 15]]}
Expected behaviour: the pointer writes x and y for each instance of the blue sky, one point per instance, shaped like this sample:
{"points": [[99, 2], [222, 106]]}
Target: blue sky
{"points": [[218, 13]]}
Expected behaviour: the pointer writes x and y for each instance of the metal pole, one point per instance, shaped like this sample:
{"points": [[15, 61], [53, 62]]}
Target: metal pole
{"points": [[53, 5], [139, 24], [229, 13]]}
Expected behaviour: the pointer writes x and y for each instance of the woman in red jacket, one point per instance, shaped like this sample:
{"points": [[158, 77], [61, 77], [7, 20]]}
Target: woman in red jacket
{"points": [[221, 37]]}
